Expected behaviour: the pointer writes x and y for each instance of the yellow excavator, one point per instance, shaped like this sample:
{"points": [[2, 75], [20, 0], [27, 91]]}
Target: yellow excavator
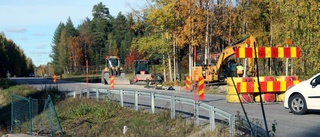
{"points": [[222, 69], [113, 68]]}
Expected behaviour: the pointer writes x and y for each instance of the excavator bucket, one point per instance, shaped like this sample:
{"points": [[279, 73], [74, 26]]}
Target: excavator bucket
{"points": [[118, 80]]}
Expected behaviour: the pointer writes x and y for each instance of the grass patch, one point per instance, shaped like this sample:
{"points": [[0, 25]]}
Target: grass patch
{"points": [[107, 118], [83, 78], [6, 83], [92, 78]]}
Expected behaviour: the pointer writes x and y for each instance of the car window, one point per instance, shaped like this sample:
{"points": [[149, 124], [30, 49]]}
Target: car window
{"points": [[316, 80]]}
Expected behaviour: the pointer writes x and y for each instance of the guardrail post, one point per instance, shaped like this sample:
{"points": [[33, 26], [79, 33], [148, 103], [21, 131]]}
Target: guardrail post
{"points": [[97, 94], [173, 107], [121, 98], [74, 94], [136, 107], [152, 102], [211, 118], [80, 93], [197, 113], [231, 126]]}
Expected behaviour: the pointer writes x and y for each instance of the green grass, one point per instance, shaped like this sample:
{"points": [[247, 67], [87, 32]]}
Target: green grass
{"points": [[83, 78], [107, 118], [92, 78]]}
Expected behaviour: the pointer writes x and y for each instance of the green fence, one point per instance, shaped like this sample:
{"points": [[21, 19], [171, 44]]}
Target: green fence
{"points": [[34, 116]]}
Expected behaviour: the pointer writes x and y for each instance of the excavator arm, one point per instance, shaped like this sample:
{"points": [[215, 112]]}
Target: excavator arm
{"points": [[229, 51]]}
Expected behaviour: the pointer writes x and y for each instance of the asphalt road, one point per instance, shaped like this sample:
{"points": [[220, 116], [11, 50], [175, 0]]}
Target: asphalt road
{"points": [[288, 124]]}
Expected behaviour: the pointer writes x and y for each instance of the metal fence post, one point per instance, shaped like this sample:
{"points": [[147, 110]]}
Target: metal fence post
{"points": [[136, 107], [152, 102], [12, 112], [97, 95], [231, 126], [211, 118], [173, 107], [121, 98], [197, 113], [30, 115], [80, 93]]}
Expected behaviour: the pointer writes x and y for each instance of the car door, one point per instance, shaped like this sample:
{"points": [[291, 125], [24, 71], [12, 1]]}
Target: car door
{"points": [[313, 93]]}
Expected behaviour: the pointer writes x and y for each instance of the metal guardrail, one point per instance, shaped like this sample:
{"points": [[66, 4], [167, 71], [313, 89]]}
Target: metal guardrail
{"points": [[213, 111]]}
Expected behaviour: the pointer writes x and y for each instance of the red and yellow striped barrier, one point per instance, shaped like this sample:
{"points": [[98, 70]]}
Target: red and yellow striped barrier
{"points": [[265, 86], [188, 83], [112, 82], [201, 88], [268, 52]]}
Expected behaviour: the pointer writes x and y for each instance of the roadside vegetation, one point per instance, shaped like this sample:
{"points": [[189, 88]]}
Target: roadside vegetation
{"points": [[107, 118], [92, 78]]}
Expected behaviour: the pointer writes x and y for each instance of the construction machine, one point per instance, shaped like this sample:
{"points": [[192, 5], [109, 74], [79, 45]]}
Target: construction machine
{"points": [[141, 72], [224, 67], [113, 68]]}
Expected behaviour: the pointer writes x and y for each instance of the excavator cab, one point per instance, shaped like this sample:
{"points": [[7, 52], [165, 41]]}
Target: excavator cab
{"points": [[113, 65]]}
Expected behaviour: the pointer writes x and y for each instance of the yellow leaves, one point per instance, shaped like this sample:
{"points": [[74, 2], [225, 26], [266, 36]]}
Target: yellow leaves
{"points": [[74, 51]]}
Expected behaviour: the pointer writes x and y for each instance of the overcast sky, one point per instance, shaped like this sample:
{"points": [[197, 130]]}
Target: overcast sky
{"points": [[31, 23]]}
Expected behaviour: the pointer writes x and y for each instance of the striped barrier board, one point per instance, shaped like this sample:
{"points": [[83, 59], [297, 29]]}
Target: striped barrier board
{"points": [[201, 88], [188, 83], [266, 86], [268, 52], [112, 82]]}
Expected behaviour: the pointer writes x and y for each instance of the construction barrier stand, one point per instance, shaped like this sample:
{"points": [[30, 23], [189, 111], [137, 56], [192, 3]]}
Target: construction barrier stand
{"points": [[54, 79], [201, 88], [112, 82], [188, 83]]}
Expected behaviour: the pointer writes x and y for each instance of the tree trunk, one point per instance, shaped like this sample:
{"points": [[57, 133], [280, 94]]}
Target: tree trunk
{"points": [[206, 50], [170, 68], [164, 69], [174, 59]]}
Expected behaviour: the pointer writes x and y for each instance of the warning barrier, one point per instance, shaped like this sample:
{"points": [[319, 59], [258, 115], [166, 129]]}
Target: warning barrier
{"points": [[272, 89], [265, 86], [188, 83], [112, 82], [54, 77], [232, 96], [280, 97], [268, 52], [201, 88], [266, 97]]}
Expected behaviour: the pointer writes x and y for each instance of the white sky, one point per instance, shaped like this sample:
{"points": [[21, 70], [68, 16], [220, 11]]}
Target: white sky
{"points": [[31, 23]]}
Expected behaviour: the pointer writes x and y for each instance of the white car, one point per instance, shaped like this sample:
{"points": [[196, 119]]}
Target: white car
{"points": [[303, 96]]}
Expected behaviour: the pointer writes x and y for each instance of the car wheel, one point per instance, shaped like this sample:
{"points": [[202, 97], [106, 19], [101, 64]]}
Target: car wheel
{"points": [[297, 104]]}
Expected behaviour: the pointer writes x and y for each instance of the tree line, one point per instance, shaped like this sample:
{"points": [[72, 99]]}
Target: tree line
{"points": [[167, 31], [13, 61]]}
